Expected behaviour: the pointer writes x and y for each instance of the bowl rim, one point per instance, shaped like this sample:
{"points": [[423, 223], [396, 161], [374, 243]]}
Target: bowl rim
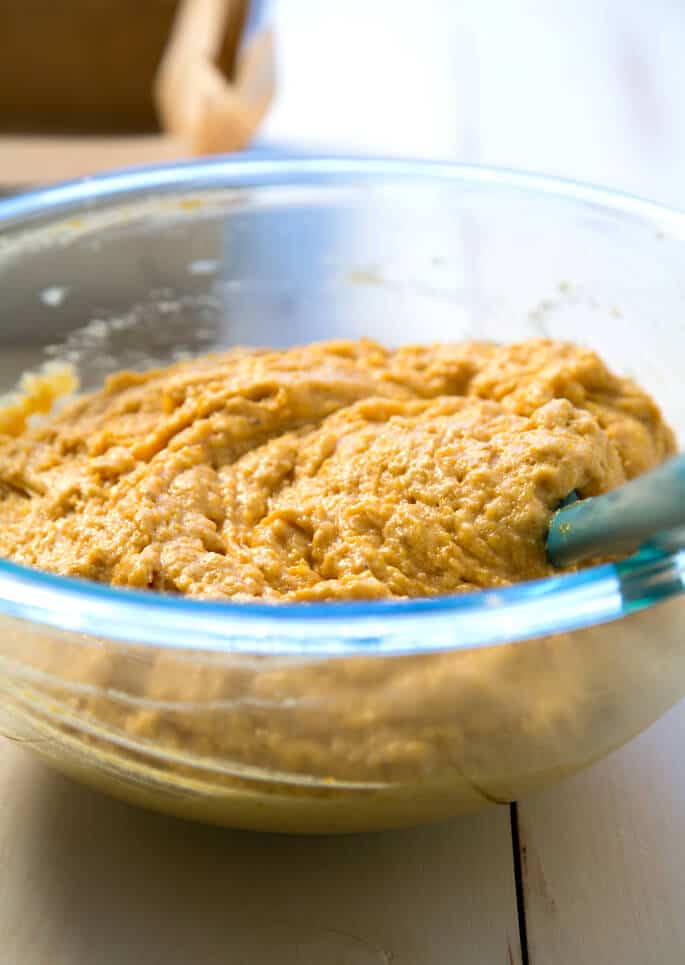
{"points": [[559, 604]]}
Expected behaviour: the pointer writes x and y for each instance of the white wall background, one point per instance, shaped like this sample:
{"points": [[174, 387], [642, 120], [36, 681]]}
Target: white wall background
{"points": [[591, 89]]}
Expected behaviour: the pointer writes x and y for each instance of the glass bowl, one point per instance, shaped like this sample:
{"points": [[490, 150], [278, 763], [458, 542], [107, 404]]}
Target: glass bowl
{"points": [[351, 716]]}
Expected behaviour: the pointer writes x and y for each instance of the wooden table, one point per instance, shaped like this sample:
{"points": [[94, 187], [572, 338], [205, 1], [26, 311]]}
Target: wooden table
{"points": [[587, 873]]}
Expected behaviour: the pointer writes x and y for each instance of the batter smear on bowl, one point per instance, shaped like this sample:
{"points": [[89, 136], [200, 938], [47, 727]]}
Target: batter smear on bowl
{"points": [[338, 470]]}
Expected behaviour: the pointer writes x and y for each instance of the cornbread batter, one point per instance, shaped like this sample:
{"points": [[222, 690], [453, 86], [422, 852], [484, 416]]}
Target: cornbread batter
{"points": [[340, 470]]}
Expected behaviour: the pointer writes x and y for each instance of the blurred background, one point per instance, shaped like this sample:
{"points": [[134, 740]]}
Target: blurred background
{"points": [[589, 90]]}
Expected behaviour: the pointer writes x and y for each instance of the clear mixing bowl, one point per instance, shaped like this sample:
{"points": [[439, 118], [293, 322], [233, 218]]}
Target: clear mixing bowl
{"points": [[337, 717]]}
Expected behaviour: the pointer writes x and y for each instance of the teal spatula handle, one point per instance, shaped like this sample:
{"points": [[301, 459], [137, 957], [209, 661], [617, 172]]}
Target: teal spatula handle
{"points": [[621, 520]]}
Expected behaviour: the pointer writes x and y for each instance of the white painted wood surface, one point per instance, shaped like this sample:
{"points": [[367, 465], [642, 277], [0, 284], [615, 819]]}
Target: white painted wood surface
{"points": [[89, 881], [592, 90], [604, 857]]}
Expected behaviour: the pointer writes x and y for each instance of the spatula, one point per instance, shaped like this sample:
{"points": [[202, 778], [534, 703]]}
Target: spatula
{"points": [[643, 511]]}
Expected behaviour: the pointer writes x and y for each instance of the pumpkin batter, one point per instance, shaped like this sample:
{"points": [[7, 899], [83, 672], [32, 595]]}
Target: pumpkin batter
{"points": [[333, 471], [339, 470]]}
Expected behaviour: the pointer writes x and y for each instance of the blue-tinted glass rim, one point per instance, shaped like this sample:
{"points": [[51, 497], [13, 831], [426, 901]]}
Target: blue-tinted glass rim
{"points": [[561, 604]]}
